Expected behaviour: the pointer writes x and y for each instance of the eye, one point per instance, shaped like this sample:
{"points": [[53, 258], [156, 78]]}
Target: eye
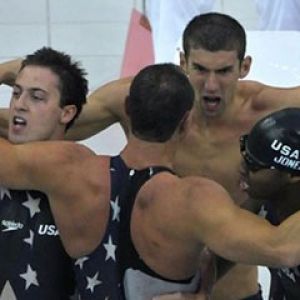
{"points": [[224, 71], [16, 92], [199, 68], [37, 96]]}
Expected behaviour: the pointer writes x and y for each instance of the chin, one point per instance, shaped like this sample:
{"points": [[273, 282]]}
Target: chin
{"points": [[17, 139], [212, 114]]}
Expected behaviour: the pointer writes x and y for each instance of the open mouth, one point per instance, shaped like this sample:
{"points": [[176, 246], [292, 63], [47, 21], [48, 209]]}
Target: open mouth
{"points": [[211, 103], [244, 186], [243, 180], [19, 121]]}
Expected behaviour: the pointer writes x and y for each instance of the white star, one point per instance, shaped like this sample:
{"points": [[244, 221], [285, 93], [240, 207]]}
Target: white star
{"points": [[4, 191], [79, 262], [29, 240], [92, 282], [116, 209], [288, 272], [32, 204], [30, 277], [131, 172], [263, 213], [110, 249], [112, 169], [8, 292]]}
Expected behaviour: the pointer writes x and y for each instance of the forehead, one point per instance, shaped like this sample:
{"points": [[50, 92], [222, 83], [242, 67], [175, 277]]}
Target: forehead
{"points": [[213, 60], [38, 77]]}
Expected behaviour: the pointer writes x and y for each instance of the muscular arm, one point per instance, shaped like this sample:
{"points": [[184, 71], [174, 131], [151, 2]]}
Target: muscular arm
{"points": [[105, 106], [267, 98], [9, 71], [241, 236], [74, 180]]}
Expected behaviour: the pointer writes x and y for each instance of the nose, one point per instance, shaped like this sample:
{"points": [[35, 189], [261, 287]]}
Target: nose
{"points": [[211, 82], [20, 103]]}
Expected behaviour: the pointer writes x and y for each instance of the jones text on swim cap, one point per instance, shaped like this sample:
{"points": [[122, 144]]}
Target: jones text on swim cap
{"points": [[288, 157]]}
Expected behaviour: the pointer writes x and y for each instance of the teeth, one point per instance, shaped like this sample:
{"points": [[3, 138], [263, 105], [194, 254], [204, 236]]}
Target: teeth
{"points": [[244, 185], [19, 121], [211, 99]]}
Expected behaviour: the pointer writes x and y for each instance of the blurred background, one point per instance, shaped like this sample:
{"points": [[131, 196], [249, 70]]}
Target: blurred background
{"points": [[93, 31]]}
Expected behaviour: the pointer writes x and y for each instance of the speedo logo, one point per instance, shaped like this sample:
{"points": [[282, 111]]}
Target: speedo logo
{"points": [[11, 225], [48, 230]]}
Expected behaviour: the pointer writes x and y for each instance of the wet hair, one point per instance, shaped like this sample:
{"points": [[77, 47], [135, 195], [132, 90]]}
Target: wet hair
{"points": [[73, 85], [159, 97], [214, 32]]}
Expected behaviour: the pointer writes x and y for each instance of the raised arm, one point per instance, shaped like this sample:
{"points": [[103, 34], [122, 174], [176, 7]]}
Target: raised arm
{"points": [[105, 106], [8, 73], [267, 98]]}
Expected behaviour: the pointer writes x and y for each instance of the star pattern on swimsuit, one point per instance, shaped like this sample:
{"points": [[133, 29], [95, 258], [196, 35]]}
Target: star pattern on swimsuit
{"points": [[29, 240], [116, 209], [110, 249], [30, 277], [8, 292], [4, 192], [80, 261], [32, 204], [93, 282]]}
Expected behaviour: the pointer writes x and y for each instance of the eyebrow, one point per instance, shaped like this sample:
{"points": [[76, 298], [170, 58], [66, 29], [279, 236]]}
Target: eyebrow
{"points": [[34, 89], [199, 66]]}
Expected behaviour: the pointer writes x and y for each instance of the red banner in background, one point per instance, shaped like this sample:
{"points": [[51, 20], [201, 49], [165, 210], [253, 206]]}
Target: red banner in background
{"points": [[139, 47]]}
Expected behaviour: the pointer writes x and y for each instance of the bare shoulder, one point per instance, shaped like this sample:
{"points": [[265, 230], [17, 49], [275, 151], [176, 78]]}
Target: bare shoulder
{"points": [[203, 186], [80, 164], [268, 98], [192, 187], [249, 89], [59, 152]]}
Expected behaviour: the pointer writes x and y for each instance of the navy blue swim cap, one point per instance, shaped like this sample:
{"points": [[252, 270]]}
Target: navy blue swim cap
{"points": [[274, 141]]}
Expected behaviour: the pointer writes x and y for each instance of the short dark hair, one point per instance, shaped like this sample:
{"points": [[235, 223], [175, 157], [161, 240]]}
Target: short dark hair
{"points": [[72, 82], [214, 32], [159, 97]]}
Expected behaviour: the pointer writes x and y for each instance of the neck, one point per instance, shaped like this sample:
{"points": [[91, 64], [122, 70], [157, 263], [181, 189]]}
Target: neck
{"points": [[140, 154], [59, 135]]}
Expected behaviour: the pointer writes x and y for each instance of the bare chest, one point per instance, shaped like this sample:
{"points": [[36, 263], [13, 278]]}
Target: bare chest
{"points": [[215, 156]]}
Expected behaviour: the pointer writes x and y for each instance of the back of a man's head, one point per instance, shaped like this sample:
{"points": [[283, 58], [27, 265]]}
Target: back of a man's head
{"points": [[160, 96], [214, 32]]}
